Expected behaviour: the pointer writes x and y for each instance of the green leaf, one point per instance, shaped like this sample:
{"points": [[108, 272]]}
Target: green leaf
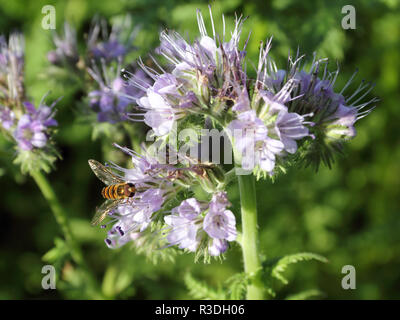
{"points": [[200, 290], [57, 253], [237, 286], [115, 281], [278, 265]]}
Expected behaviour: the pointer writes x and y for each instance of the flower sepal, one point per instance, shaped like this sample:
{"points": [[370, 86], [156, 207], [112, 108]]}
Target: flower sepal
{"points": [[37, 159]]}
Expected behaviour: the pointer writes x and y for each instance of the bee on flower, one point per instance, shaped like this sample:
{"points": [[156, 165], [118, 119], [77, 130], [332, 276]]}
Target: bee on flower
{"points": [[280, 117], [153, 185]]}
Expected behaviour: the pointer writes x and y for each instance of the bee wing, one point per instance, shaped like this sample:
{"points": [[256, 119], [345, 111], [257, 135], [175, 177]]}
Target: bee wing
{"points": [[103, 173], [104, 210]]}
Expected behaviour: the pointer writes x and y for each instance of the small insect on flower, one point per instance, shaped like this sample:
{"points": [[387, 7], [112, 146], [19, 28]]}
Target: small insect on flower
{"points": [[115, 193]]}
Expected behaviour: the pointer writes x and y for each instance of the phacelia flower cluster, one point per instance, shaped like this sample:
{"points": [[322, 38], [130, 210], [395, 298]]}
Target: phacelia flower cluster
{"points": [[199, 80], [192, 225], [33, 128], [279, 115], [275, 119], [310, 95], [28, 127], [98, 66], [12, 60]]}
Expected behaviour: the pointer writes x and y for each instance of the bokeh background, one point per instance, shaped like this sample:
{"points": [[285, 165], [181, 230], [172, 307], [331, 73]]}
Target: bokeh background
{"points": [[350, 214]]}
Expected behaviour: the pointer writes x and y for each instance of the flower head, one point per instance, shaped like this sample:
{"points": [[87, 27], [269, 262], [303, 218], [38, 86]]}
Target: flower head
{"points": [[278, 118], [114, 45], [184, 223], [200, 80], [289, 106], [66, 50], [133, 216], [155, 185], [253, 143], [112, 98], [331, 115], [29, 128], [32, 127], [195, 224], [12, 68], [208, 59], [220, 224], [7, 118]]}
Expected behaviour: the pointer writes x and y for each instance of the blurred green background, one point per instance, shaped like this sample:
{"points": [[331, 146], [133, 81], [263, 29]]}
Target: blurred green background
{"points": [[349, 214]]}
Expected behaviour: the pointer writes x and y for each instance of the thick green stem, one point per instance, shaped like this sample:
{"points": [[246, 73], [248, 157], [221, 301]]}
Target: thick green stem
{"points": [[252, 263], [62, 220]]}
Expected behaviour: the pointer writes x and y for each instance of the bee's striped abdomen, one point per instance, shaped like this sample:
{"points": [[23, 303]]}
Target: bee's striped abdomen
{"points": [[109, 192], [118, 191]]}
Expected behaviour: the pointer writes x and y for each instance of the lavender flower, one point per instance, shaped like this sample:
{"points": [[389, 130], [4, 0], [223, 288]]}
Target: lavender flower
{"points": [[253, 143], [201, 79], [217, 247], [113, 97], [185, 224], [282, 100], [279, 117], [133, 216], [290, 127], [114, 45], [191, 225], [12, 68], [189, 208], [105, 52], [66, 48], [343, 120], [148, 171], [32, 127], [208, 60], [219, 201], [163, 103], [194, 224], [331, 115], [221, 227], [29, 128], [154, 186], [7, 118]]}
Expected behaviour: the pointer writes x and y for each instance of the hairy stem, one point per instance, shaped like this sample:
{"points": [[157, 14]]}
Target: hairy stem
{"points": [[62, 221], [249, 240]]}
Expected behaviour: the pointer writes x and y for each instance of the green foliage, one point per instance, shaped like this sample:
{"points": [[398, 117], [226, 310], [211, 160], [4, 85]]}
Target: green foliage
{"points": [[279, 265], [58, 253], [116, 281], [36, 160], [237, 286], [200, 290], [275, 267]]}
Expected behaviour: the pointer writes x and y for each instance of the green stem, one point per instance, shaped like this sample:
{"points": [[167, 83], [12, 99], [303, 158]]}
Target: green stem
{"points": [[59, 214], [249, 240], [62, 221]]}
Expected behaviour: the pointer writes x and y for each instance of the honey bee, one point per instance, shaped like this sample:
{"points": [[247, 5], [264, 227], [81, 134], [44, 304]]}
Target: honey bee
{"points": [[115, 192]]}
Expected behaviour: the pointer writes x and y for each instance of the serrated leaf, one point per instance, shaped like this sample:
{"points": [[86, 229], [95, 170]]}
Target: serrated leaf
{"points": [[278, 265], [237, 286], [200, 290]]}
